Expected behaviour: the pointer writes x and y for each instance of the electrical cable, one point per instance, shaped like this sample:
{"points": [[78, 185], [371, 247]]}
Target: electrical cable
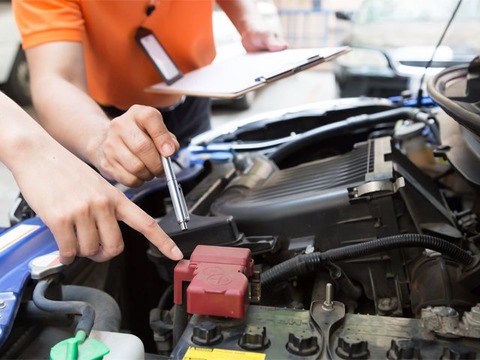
{"points": [[307, 263]]}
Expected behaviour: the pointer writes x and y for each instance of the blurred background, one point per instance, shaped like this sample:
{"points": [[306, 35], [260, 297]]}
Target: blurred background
{"points": [[392, 45]]}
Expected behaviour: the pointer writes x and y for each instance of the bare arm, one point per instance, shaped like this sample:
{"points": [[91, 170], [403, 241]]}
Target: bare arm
{"points": [[77, 204], [256, 36], [60, 97], [126, 149]]}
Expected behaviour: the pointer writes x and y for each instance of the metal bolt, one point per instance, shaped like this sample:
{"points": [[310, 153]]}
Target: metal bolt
{"points": [[387, 305], [3, 305], [328, 303]]}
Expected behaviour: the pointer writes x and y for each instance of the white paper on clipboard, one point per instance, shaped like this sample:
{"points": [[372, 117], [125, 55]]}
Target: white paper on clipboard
{"points": [[238, 75]]}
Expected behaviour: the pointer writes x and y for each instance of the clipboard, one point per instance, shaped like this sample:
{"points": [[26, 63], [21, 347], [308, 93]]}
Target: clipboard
{"points": [[235, 76]]}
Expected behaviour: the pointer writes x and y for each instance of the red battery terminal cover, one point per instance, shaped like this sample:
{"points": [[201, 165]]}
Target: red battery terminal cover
{"points": [[218, 278]]}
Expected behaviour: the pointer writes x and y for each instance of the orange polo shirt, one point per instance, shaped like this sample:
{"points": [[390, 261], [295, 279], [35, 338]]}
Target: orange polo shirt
{"points": [[118, 71]]}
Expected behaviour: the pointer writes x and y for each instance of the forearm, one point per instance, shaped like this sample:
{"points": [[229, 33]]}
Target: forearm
{"points": [[59, 93], [243, 14], [22, 139], [69, 115]]}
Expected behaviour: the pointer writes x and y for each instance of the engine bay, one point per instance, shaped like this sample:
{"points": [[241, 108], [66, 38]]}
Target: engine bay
{"points": [[338, 230]]}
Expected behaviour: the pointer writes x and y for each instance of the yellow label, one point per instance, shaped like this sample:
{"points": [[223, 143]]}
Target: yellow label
{"points": [[220, 354]]}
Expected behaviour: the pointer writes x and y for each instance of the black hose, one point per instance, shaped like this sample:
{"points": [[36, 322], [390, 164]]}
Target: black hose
{"points": [[340, 127], [304, 264], [67, 307], [31, 313], [107, 312]]}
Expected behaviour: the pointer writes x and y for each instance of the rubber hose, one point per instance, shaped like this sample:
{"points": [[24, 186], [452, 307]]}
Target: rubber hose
{"points": [[338, 127], [304, 264], [67, 307], [107, 312], [108, 316], [34, 315]]}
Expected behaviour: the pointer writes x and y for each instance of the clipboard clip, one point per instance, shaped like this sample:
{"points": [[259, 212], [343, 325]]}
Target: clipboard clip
{"points": [[291, 69]]}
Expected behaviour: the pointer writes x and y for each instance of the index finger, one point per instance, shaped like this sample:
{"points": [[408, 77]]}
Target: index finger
{"points": [[139, 220]]}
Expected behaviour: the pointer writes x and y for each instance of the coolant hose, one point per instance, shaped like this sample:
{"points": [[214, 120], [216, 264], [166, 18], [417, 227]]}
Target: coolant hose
{"points": [[66, 307], [343, 126], [306, 263], [107, 312]]}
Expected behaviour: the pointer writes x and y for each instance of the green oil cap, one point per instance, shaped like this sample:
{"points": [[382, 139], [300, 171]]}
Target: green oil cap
{"points": [[79, 348]]}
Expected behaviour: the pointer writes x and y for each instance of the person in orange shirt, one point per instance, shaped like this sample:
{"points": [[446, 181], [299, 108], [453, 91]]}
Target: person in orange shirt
{"points": [[88, 74], [79, 206]]}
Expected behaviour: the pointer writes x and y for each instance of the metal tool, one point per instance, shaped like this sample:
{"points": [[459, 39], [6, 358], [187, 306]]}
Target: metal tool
{"points": [[176, 194]]}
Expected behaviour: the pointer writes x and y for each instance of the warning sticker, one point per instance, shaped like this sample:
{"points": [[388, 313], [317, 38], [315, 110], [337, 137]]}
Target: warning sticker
{"points": [[13, 236], [220, 354]]}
